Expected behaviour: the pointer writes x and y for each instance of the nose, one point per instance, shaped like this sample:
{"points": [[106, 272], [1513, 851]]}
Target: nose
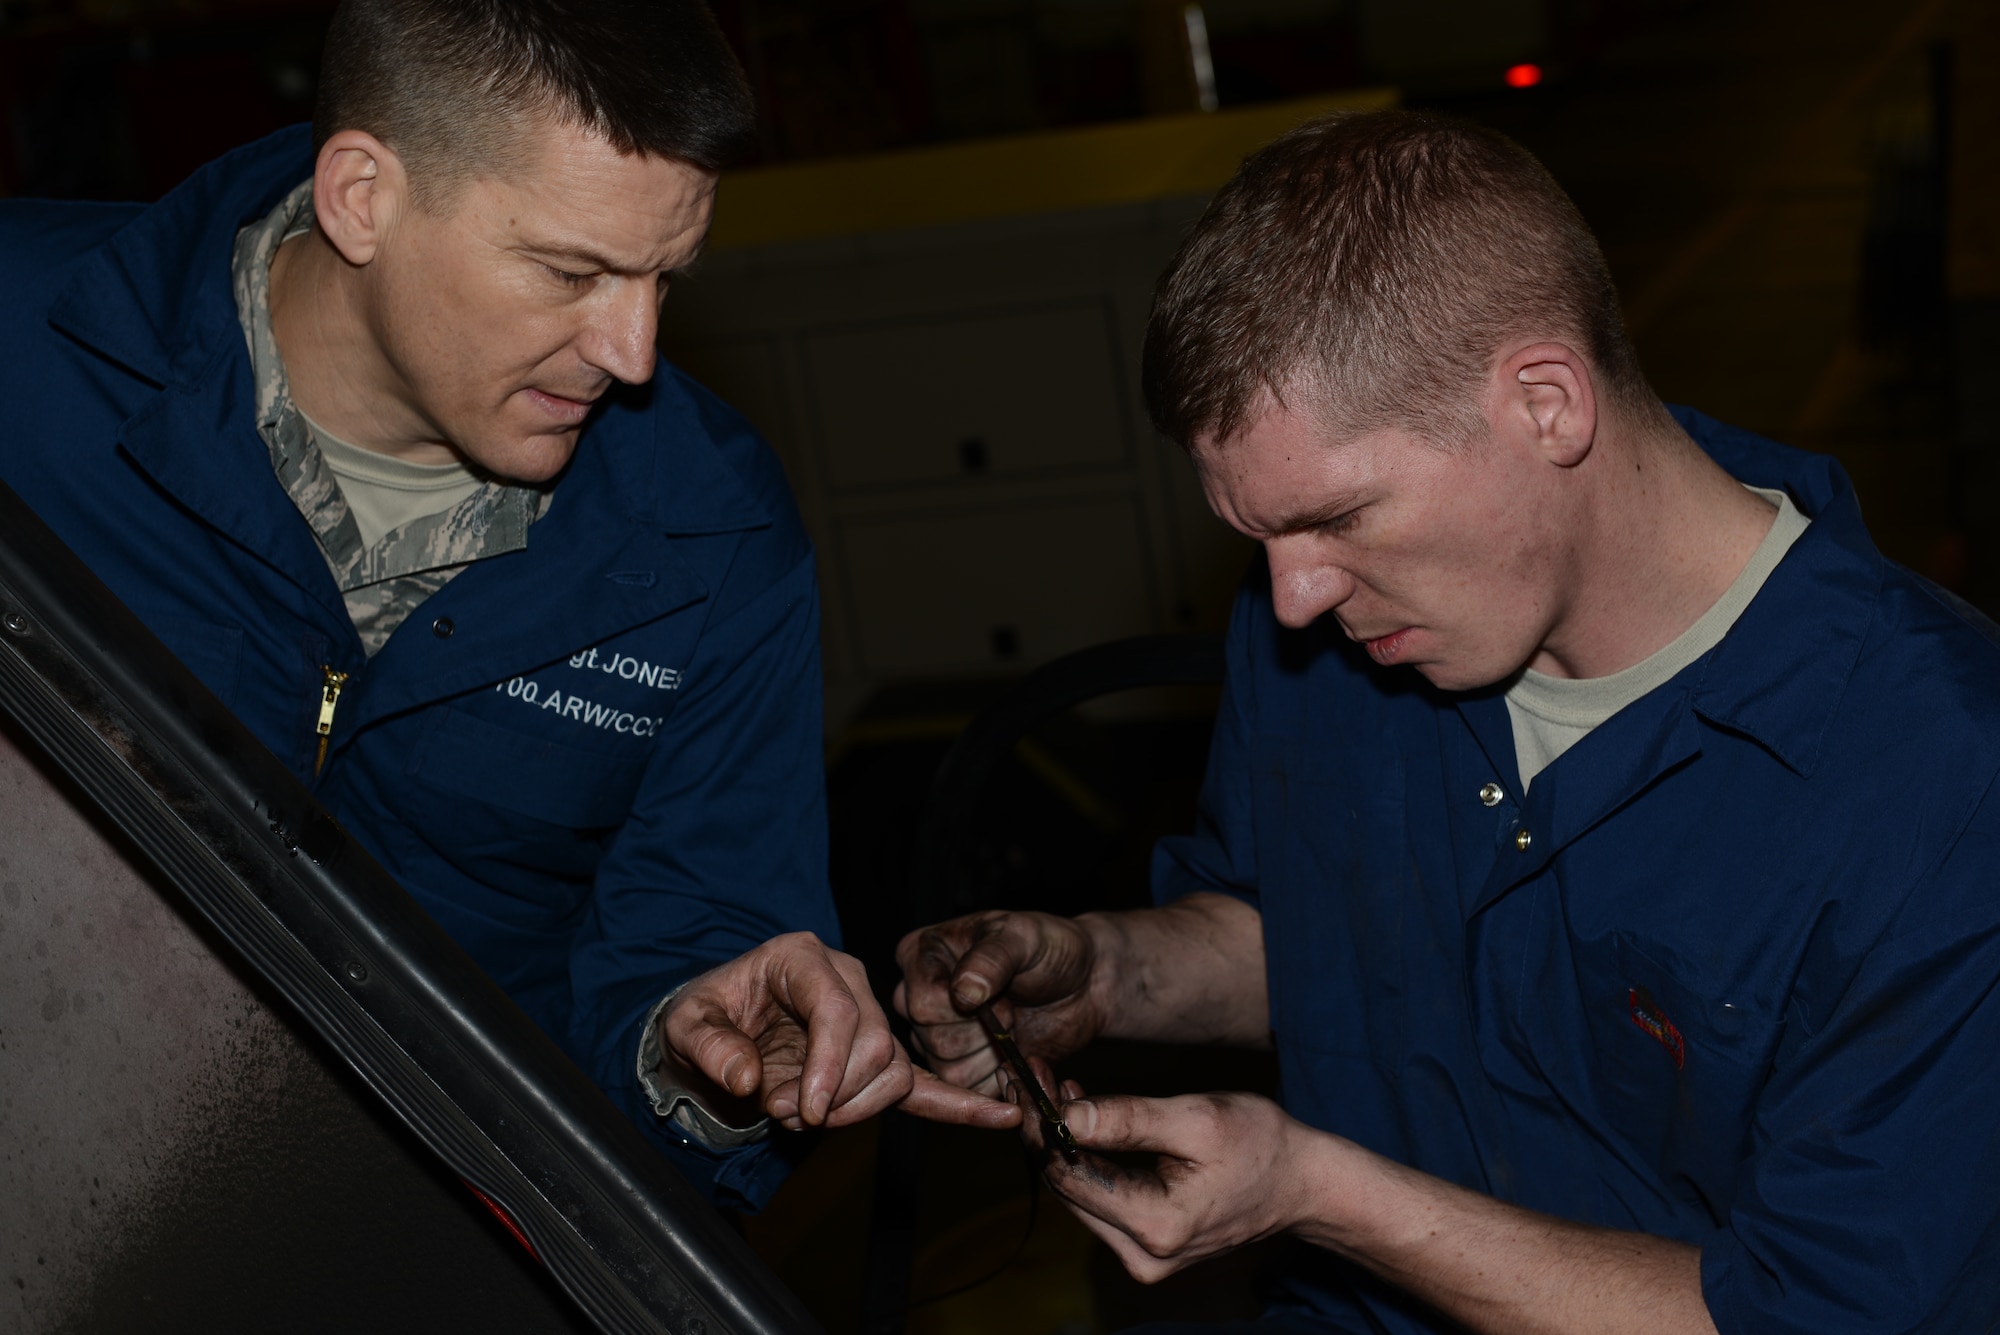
{"points": [[1304, 585], [620, 338]]}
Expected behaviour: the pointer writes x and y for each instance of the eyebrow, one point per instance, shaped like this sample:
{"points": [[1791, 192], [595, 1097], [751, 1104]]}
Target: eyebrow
{"points": [[592, 259]]}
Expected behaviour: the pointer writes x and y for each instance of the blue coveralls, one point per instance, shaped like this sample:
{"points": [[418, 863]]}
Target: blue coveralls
{"points": [[1740, 988], [596, 761]]}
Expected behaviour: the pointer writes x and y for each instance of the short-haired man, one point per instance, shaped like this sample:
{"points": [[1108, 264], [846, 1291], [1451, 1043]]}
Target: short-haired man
{"points": [[369, 427], [1603, 832]]}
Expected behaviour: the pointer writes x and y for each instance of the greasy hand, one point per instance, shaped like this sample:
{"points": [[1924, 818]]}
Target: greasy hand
{"points": [[1228, 1173], [793, 1025], [1036, 964]]}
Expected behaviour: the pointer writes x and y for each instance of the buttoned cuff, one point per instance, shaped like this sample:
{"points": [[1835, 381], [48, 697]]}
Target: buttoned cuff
{"points": [[678, 1102]]}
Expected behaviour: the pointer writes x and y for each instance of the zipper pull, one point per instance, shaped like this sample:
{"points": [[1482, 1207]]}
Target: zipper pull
{"points": [[328, 702]]}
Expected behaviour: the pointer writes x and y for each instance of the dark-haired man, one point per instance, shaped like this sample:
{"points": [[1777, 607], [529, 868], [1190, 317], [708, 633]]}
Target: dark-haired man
{"points": [[1603, 832], [370, 429]]}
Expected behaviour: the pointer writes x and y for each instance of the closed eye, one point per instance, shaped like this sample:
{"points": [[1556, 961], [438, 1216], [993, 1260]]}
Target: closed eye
{"points": [[567, 278], [1336, 515], [1343, 522]]}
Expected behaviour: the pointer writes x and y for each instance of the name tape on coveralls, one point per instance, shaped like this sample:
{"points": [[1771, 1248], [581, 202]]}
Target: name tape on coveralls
{"points": [[571, 705]]}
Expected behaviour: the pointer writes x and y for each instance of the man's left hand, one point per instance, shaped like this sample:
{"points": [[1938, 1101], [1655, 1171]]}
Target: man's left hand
{"points": [[1225, 1175], [1233, 1168]]}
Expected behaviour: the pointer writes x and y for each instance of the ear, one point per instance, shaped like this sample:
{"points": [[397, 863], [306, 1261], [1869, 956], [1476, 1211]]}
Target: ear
{"points": [[1547, 394], [358, 188]]}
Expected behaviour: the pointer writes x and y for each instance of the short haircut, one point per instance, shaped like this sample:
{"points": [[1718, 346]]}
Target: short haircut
{"points": [[1367, 267], [450, 85]]}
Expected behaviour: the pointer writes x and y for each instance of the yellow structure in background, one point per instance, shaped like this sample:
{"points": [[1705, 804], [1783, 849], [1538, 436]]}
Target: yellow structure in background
{"points": [[1059, 171]]}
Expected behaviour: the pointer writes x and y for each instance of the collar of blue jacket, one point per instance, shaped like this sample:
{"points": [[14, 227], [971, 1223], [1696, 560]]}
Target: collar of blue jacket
{"points": [[1780, 679]]}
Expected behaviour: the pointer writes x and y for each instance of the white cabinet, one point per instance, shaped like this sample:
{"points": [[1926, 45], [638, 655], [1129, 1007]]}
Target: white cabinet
{"points": [[959, 413]]}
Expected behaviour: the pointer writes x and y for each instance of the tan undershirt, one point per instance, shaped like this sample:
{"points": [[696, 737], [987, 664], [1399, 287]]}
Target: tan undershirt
{"points": [[1552, 714], [383, 492]]}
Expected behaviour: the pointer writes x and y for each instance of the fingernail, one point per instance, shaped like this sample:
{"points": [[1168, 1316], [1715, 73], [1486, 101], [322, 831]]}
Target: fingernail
{"points": [[785, 1111], [820, 1103], [972, 991], [1081, 1115], [730, 1070]]}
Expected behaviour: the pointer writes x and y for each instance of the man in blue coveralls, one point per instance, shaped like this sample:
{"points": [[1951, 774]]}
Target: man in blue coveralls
{"points": [[367, 424], [1601, 830]]}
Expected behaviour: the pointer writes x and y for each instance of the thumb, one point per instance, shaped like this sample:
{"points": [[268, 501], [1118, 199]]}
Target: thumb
{"points": [[1119, 1122], [703, 1037]]}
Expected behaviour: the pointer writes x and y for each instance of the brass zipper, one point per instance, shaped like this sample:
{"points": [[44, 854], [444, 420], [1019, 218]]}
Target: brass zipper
{"points": [[328, 702]]}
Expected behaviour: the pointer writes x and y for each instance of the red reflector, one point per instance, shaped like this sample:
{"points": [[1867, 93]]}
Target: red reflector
{"points": [[1523, 76], [506, 1220]]}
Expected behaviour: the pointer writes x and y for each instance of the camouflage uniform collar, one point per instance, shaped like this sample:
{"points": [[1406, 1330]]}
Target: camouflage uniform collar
{"points": [[300, 467], [381, 584]]}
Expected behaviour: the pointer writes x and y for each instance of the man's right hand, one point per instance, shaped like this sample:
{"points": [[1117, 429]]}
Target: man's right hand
{"points": [[792, 1026], [1039, 971]]}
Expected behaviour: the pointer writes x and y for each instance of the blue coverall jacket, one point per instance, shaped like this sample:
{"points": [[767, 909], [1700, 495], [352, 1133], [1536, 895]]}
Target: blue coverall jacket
{"points": [[1738, 986], [596, 761]]}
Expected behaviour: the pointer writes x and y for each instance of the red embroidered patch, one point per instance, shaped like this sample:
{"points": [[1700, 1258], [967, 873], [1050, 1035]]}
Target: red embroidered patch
{"points": [[1649, 1017]]}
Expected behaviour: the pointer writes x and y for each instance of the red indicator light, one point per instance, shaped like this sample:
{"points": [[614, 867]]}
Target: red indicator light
{"points": [[1523, 76]]}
